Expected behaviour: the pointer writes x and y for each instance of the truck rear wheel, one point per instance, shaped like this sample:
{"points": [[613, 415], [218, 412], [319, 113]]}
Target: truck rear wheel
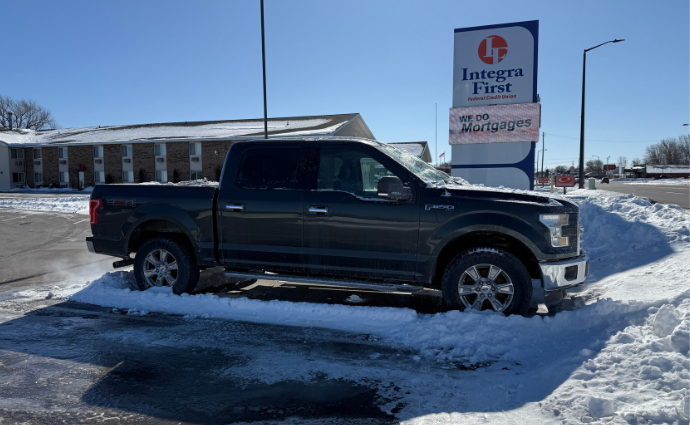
{"points": [[487, 279], [165, 261]]}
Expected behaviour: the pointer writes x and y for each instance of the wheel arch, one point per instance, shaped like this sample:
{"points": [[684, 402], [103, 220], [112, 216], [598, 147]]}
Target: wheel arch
{"points": [[489, 239], [152, 227]]}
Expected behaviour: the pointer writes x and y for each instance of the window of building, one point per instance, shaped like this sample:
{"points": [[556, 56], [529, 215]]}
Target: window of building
{"points": [[159, 149], [195, 149], [351, 171], [99, 177], [128, 177], [98, 151], [38, 153], [126, 151], [17, 177], [161, 176], [62, 153], [38, 177], [17, 153], [273, 168], [64, 177], [196, 175]]}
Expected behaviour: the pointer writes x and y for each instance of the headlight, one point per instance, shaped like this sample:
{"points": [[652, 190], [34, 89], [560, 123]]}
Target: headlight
{"points": [[555, 223]]}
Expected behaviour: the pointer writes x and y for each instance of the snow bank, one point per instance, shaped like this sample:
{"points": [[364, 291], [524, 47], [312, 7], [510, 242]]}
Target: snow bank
{"points": [[51, 190], [66, 204]]}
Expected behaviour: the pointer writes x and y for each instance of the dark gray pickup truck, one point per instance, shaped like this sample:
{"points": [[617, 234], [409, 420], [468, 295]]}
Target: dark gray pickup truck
{"points": [[344, 212]]}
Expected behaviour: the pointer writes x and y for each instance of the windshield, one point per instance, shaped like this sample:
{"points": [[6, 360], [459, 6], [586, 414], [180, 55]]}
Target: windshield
{"points": [[415, 165]]}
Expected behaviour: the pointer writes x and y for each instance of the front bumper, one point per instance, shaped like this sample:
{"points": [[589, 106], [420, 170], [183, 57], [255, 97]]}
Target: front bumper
{"points": [[564, 274], [89, 244]]}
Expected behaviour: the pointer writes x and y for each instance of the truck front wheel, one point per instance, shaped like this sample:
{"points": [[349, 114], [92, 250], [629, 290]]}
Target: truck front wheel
{"points": [[487, 279], [164, 261]]}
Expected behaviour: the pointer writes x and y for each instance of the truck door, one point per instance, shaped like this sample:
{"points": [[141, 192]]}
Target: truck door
{"points": [[260, 207], [348, 230]]}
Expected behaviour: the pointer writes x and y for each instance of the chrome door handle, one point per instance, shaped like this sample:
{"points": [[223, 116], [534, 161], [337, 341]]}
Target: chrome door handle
{"points": [[234, 207], [318, 210]]}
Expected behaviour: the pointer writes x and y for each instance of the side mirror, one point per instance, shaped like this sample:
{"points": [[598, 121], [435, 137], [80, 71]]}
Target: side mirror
{"points": [[391, 188]]}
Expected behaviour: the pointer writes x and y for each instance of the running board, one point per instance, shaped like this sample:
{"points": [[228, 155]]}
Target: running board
{"points": [[371, 286]]}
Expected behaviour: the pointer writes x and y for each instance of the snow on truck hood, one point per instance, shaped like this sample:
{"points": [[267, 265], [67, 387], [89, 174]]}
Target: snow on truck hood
{"points": [[460, 187]]}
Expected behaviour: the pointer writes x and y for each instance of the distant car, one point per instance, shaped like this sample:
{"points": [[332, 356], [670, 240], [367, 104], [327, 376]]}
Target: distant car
{"points": [[604, 180]]}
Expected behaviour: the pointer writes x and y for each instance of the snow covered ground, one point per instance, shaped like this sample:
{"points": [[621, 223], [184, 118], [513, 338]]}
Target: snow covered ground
{"points": [[621, 357], [65, 204], [662, 182]]}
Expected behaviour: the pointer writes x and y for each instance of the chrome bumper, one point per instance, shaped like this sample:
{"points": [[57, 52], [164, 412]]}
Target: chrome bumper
{"points": [[564, 274], [89, 245]]}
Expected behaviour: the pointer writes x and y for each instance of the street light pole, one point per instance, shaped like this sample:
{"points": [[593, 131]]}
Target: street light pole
{"points": [[263, 61], [582, 113], [543, 145]]}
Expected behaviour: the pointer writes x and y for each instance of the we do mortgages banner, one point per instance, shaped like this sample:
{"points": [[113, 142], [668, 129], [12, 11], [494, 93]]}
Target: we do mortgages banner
{"points": [[495, 124]]}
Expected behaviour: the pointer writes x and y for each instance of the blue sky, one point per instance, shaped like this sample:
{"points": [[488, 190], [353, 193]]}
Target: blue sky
{"points": [[127, 62]]}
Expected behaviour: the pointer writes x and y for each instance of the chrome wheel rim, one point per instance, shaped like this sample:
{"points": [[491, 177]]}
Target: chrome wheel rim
{"points": [[160, 268], [486, 287]]}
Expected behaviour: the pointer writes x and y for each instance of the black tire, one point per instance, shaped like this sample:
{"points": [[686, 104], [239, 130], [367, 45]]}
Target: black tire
{"points": [[512, 272], [185, 276]]}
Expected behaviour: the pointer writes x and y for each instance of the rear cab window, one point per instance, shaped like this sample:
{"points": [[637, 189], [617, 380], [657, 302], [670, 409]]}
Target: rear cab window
{"points": [[269, 168]]}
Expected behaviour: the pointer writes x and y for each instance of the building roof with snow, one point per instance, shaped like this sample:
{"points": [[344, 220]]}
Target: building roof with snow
{"points": [[418, 149], [348, 125]]}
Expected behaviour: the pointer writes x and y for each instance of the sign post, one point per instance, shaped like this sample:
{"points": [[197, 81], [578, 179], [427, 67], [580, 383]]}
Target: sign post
{"points": [[495, 119], [565, 182]]}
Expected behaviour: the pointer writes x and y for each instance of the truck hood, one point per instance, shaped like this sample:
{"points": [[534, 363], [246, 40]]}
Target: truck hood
{"points": [[500, 194]]}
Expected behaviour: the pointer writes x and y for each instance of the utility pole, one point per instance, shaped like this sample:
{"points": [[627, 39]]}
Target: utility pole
{"points": [[436, 133], [263, 60], [543, 145]]}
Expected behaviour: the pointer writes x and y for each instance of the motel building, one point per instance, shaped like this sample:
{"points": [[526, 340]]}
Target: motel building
{"points": [[171, 152]]}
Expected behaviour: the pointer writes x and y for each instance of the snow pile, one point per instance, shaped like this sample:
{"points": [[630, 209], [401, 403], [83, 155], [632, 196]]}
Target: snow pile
{"points": [[51, 190], [65, 204], [199, 182], [641, 375], [660, 182]]}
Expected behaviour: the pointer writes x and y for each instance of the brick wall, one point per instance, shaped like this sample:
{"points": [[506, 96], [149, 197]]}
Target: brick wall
{"points": [[29, 169], [144, 159], [80, 155], [177, 159], [210, 161], [50, 166], [112, 162]]}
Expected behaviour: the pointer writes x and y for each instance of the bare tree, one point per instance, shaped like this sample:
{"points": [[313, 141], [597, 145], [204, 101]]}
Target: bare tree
{"points": [[562, 169], [27, 114], [669, 151], [622, 161], [595, 166], [636, 161]]}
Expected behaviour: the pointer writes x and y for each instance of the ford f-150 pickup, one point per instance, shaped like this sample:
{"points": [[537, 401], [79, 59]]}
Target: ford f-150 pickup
{"points": [[344, 212]]}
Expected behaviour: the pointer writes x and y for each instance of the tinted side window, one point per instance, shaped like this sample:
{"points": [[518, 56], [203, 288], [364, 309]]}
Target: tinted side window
{"points": [[269, 168], [351, 171]]}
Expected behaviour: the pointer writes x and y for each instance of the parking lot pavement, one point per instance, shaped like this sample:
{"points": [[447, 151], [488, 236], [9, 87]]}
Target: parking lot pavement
{"points": [[67, 362], [64, 362], [45, 247], [664, 194]]}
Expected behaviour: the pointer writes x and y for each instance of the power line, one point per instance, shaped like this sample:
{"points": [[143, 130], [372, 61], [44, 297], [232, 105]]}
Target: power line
{"points": [[608, 141]]}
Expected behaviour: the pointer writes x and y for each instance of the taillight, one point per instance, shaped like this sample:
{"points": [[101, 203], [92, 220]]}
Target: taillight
{"points": [[94, 206]]}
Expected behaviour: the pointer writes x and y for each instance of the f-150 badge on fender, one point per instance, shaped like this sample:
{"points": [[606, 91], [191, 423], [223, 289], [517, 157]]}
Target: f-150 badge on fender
{"points": [[430, 207]]}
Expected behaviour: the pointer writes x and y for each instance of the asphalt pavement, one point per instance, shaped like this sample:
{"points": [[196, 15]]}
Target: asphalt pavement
{"points": [[67, 362], [663, 194]]}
